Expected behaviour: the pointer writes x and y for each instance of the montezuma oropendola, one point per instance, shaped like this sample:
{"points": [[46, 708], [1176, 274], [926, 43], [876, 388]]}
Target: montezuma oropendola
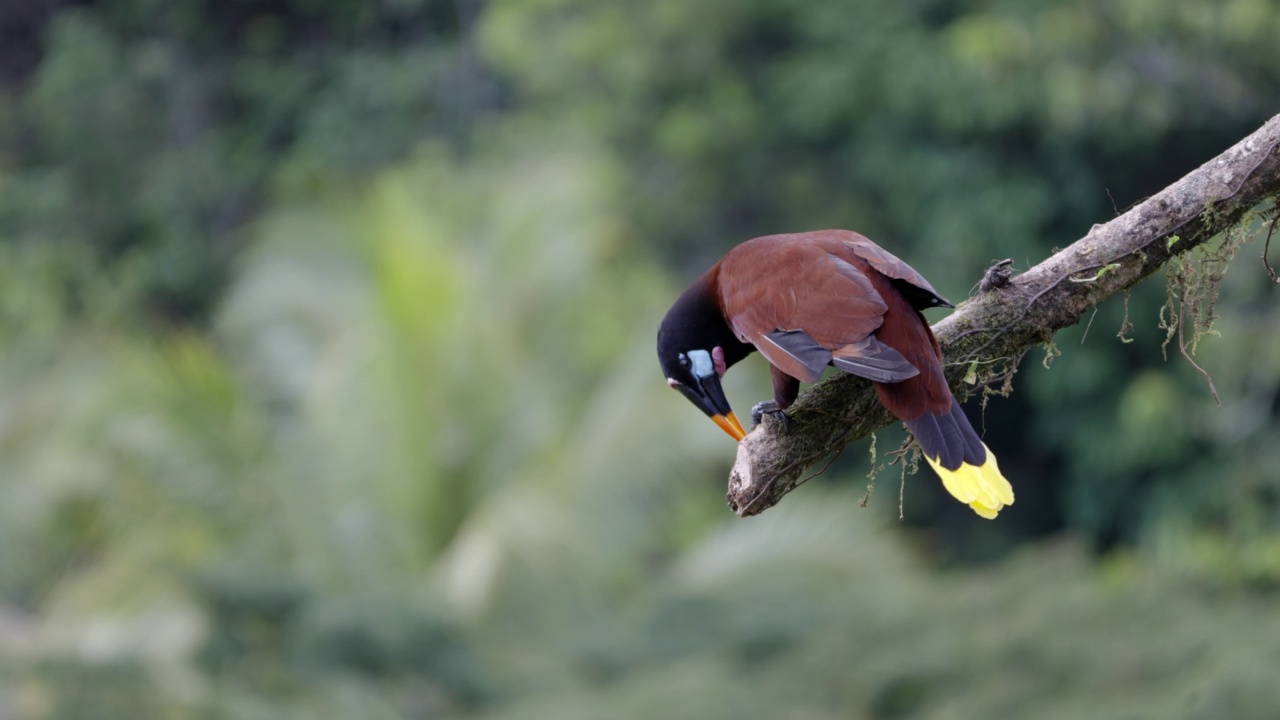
{"points": [[830, 297]]}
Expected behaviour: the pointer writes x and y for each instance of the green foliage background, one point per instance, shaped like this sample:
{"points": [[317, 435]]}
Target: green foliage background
{"points": [[327, 385]]}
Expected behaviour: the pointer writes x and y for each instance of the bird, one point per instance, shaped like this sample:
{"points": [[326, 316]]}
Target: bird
{"points": [[828, 298]]}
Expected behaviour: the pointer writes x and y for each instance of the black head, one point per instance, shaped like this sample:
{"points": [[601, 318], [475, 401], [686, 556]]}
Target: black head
{"points": [[695, 347]]}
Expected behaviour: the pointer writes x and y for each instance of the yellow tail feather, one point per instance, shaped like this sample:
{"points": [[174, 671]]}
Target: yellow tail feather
{"points": [[983, 488]]}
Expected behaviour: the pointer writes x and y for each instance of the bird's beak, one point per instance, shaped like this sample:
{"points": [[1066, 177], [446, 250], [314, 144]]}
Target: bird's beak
{"points": [[707, 394], [729, 423]]}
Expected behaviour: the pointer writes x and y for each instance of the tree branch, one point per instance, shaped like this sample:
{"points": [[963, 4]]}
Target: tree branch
{"points": [[1011, 315]]}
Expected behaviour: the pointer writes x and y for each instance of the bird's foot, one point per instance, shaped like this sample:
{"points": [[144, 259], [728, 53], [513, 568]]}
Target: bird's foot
{"points": [[769, 407]]}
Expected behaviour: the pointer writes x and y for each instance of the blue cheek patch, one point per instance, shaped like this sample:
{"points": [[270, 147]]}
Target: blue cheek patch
{"points": [[701, 365]]}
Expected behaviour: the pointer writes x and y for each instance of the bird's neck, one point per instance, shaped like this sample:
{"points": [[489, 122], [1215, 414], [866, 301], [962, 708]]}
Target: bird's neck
{"points": [[701, 317]]}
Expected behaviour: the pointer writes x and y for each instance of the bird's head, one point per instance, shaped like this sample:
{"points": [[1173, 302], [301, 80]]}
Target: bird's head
{"points": [[696, 372]]}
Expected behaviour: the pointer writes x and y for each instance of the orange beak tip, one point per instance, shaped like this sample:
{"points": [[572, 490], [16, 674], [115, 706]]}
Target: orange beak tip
{"points": [[729, 423]]}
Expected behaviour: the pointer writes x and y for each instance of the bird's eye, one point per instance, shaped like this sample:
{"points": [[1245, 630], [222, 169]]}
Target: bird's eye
{"points": [[684, 361]]}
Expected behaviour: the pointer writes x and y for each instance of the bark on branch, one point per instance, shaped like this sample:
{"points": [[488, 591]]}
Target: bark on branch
{"points": [[1003, 322]]}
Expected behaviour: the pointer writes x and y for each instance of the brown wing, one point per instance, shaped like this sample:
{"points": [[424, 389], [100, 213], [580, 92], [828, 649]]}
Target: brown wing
{"points": [[906, 330], [885, 262], [805, 302]]}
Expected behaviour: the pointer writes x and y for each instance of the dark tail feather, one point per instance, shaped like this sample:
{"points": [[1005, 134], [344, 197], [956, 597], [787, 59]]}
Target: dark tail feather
{"points": [[967, 468], [949, 438]]}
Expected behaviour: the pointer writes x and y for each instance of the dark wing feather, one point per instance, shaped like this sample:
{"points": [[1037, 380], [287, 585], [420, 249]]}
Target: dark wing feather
{"points": [[888, 264], [872, 359], [868, 357], [810, 358]]}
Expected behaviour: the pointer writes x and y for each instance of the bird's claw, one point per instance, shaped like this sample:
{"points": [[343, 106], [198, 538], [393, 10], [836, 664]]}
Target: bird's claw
{"points": [[769, 407]]}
